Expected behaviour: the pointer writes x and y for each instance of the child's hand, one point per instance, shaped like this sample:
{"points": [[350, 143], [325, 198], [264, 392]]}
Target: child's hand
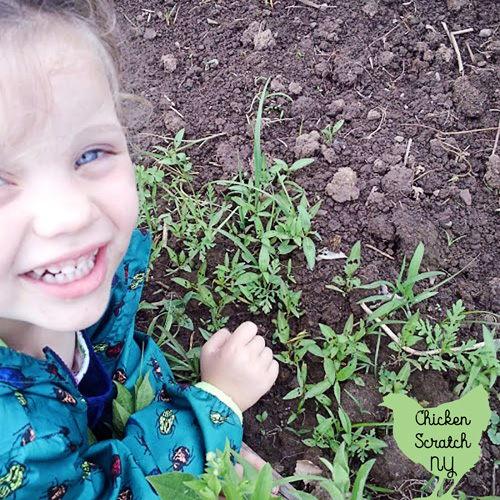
{"points": [[240, 364]]}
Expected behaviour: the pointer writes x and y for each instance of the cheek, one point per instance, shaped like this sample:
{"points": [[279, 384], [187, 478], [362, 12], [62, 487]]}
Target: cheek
{"points": [[120, 200]]}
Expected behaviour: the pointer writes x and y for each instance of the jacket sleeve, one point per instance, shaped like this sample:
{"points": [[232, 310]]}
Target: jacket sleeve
{"points": [[184, 422]]}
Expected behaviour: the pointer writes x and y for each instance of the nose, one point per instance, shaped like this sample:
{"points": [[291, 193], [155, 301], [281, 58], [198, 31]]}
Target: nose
{"points": [[63, 208]]}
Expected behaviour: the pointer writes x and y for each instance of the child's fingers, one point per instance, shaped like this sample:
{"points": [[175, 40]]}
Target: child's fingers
{"points": [[217, 340], [242, 335], [265, 357], [257, 345], [273, 370]]}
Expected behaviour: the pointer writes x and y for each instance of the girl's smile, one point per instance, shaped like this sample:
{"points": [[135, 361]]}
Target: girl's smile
{"points": [[71, 278]]}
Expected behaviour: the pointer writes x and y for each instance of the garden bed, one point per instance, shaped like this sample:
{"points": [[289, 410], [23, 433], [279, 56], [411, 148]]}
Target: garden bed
{"points": [[411, 163]]}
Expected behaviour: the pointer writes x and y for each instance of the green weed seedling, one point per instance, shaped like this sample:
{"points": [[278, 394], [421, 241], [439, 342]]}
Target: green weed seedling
{"points": [[342, 356], [165, 327], [394, 383], [402, 294], [219, 478], [127, 402], [331, 129], [479, 367], [333, 431], [349, 282], [261, 417], [451, 241], [338, 487], [494, 428]]}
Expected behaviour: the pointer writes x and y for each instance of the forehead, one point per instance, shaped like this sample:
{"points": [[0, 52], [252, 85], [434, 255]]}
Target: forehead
{"points": [[57, 76]]}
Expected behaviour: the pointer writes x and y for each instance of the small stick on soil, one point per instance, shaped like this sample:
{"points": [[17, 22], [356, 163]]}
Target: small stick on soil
{"points": [[460, 132], [462, 32], [382, 120], [454, 43], [384, 35], [411, 351], [407, 154], [496, 139], [375, 249], [471, 54], [308, 3]]}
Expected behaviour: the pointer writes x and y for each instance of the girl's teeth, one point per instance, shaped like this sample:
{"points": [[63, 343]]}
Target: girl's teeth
{"points": [[49, 278], [68, 273]]}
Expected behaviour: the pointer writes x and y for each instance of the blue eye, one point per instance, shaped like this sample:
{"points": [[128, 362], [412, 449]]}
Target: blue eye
{"points": [[89, 156]]}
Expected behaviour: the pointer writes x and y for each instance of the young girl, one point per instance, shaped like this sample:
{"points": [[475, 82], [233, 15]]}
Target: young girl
{"points": [[72, 267]]}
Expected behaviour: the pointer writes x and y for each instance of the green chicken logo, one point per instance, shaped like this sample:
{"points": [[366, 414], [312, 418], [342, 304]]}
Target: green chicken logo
{"points": [[445, 439]]}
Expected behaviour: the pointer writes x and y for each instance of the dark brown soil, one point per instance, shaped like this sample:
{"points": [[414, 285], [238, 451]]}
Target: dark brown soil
{"points": [[388, 68]]}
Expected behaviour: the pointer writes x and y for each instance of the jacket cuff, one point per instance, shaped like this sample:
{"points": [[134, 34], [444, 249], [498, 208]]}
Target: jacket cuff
{"points": [[222, 396]]}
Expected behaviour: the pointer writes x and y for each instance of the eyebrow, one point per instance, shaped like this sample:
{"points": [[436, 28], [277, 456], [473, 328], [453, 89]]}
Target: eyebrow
{"points": [[100, 128]]}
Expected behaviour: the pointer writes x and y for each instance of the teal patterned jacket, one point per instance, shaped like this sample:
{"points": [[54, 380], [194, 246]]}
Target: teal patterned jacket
{"points": [[45, 415]]}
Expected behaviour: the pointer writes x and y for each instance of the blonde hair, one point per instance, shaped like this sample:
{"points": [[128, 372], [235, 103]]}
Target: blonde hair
{"points": [[93, 18]]}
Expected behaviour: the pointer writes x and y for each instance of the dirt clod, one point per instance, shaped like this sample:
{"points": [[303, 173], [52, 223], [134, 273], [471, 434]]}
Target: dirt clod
{"points": [[343, 187], [374, 114], [456, 5], [370, 8], [150, 34], [173, 122], [398, 179], [295, 88], [264, 40], [492, 177], [465, 196], [169, 62], [307, 145], [335, 107], [468, 98]]}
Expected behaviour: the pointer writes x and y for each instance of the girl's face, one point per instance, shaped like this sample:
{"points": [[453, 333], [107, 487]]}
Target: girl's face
{"points": [[68, 201]]}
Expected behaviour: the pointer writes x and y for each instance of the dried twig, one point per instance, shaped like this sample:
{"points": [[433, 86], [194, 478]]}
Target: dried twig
{"points": [[407, 154], [415, 352], [382, 120], [384, 35], [308, 3], [454, 43], [496, 139], [375, 249], [459, 132]]}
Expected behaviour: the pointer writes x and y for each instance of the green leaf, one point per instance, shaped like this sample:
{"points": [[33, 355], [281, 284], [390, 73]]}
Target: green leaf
{"points": [[386, 309], [347, 372], [341, 469], [345, 421], [309, 251], [144, 395], [293, 394], [247, 278], [329, 368], [359, 483], [318, 388], [264, 258], [172, 485], [124, 397], [264, 484], [415, 262], [303, 162], [120, 418], [338, 125]]}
